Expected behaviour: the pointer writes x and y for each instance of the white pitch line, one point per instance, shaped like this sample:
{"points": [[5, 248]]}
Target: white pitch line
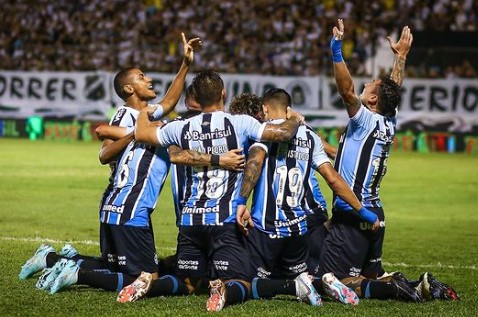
{"points": [[91, 242], [48, 240]]}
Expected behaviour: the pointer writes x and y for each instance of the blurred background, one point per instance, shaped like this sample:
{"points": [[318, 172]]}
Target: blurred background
{"points": [[58, 58]]}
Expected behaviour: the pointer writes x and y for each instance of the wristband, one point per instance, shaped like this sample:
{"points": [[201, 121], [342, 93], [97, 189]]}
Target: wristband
{"points": [[214, 160], [367, 215], [336, 47], [158, 113], [241, 200]]}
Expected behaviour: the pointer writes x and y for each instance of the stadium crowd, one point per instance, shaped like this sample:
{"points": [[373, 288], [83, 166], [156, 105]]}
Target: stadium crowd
{"points": [[261, 36]]}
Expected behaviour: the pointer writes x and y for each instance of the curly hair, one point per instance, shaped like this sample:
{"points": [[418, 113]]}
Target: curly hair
{"points": [[246, 103], [389, 97]]}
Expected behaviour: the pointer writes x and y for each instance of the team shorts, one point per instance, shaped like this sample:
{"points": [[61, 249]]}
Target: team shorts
{"points": [[212, 252], [273, 257], [128, 249], [352, 249]]}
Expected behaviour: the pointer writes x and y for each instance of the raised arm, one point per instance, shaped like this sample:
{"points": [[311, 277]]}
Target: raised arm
{"points": [[232, 160], [252, 172], [284, 131], [174, 92], [112, 132], [343, 79], [400, 49]]}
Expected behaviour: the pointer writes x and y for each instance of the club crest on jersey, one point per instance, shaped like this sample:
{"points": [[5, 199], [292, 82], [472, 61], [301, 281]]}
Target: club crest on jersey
{"points": [[216, 134]]}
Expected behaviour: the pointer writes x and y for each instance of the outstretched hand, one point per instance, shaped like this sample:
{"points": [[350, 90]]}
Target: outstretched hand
{"points": [[233, 160], [339, 30], [243, 219], [402, 47], [189, 47]]}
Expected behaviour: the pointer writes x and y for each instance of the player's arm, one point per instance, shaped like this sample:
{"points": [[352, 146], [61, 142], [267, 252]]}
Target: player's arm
{"points": [[341, 189], [174, 92], [252, 172], [112, 132], [329, 149], [343, 79], [232, 160], [285, 130], [145, 131], [400, 49], [111, 149]]}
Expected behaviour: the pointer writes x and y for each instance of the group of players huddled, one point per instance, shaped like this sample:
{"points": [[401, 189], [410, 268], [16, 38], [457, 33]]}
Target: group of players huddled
{"points": [[284, 243]]}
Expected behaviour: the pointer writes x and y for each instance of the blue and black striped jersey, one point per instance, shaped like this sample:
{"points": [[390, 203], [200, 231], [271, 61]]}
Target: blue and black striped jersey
{"points": [[279, 205], [139, 176], [362, 155], [211, 192]]}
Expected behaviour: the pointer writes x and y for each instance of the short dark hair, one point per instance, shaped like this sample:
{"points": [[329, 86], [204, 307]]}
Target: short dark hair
{"points": [[277, 97], [121, 79], [389, 97], [247, 103], [207, 87]]}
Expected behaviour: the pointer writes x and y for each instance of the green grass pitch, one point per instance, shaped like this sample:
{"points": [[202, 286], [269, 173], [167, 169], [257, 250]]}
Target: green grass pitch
{"points": [[50, 192]]}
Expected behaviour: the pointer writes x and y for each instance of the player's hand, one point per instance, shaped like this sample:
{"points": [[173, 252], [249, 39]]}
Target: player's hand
{"points": [[376, 225], [243, 219], [233, 160], [293, 114], [402, 47], [189, 48], [338, 30]]}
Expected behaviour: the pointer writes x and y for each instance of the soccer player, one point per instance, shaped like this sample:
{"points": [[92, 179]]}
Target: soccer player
{"points": [[352, 251], [208, 238], [277, 240], [126, 235]]}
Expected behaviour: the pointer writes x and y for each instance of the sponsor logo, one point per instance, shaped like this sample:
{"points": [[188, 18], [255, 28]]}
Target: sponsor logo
{"points": [[113, 208], [382, 136], [289, 222], [354, 271], [199, 210], [299, 268], [188, 265], [216, 134], [301, 156], [221, 265]]}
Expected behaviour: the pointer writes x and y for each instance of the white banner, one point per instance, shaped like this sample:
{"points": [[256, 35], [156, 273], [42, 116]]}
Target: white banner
{"points": [[54, 93], [90, 95]]}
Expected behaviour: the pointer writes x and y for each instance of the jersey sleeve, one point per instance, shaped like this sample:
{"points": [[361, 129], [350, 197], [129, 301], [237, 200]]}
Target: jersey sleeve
{"points": [[158, 113], [121, 118], [363, 117], [170, 133], [251, 127], [319, 156]]}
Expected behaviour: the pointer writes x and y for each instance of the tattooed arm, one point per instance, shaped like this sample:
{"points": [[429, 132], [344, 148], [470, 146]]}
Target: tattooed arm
{"points": [[284, 131], [232, 160], [400, 49], [252, 172]]}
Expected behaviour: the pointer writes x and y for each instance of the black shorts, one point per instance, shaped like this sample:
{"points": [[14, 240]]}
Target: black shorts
{"points": [[352, 249], [316, 234], [276, 257], [212, 252], [128, 249]]}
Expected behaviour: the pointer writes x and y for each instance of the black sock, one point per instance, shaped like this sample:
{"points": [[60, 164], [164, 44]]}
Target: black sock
{"points": [[236, 292], [168, 285], [107, 280], [268, 288], [52, 258], [89, 262], [317, 283], [378, 289]]}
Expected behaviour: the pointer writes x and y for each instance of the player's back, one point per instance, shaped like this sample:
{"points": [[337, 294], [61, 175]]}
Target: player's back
{"points": [[362, 155], [279, 206]]}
